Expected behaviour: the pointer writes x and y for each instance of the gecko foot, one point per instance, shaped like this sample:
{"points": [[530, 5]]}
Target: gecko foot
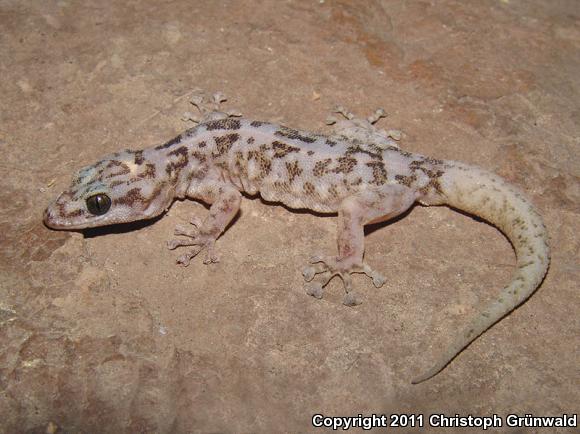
{"points": [[209, 110], [193, 237], [363, 129], [327, 267], [349, 116], [316, 290]]}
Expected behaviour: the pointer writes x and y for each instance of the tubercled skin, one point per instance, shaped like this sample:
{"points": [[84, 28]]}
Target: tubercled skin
{"points": [[358, 172]]}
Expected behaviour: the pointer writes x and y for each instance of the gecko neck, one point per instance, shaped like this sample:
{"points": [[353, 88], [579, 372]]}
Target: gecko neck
{"points": [[183, 160]]}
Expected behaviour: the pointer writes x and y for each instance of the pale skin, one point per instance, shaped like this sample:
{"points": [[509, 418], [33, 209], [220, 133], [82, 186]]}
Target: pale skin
{"points": [[354, 213], [358, 172]]}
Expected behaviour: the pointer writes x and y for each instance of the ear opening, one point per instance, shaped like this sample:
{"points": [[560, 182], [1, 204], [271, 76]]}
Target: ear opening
{"points": [[161, 201]]}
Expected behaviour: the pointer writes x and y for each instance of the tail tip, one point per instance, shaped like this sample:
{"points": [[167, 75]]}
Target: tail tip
{"points": [[422, 378], [429, 374]]}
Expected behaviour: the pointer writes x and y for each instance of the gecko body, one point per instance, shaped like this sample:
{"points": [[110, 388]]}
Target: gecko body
{"points": [[358, 172]]}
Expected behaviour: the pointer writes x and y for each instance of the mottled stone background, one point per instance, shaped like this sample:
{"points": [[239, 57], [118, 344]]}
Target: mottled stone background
{"points": [[104, 333]]}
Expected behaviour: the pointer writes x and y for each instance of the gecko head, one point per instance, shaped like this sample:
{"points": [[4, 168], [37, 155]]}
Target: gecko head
{"points": [[121, 188]]}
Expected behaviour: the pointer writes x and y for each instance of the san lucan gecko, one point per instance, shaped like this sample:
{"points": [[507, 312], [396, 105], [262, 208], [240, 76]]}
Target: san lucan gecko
{"points": [[358, 172]]}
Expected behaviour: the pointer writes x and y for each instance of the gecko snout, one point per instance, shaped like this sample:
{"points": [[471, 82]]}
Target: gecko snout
{"points": [[47, 217]]}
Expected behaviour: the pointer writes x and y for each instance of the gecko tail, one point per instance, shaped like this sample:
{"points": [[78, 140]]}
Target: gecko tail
{"points": [[486, 195]]}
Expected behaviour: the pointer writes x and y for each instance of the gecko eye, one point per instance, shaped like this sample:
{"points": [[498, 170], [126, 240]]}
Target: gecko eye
{"points": [[98, 204]]}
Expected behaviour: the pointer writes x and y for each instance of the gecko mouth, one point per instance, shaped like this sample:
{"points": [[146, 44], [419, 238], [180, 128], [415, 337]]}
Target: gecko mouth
{"points": [[52, 220]]}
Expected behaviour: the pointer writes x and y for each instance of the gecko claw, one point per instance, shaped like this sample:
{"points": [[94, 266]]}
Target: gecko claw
{"points": [[186, 258], [186, 232], [209, 107], [378, 280], [314, 259], [363, 129], [331, 120], [189, 116], [195, 221], [173, 244], [210, 256], [196, 99], [315, 289], [350, 300], [194, 237], [376, 116], [218, 98], [326, 267], [344, 112], [308, 272]]}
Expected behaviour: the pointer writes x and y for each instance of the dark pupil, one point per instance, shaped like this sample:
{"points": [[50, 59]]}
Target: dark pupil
{"points": [[98, 204]]}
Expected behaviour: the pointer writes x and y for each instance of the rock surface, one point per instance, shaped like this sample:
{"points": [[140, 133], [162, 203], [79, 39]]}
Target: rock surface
{"points": [[102, 332]]}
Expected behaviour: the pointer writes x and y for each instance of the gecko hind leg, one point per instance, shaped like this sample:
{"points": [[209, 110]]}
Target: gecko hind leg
{"points": [[210, 110], [363, 129], [371, 206], [348, 115]]}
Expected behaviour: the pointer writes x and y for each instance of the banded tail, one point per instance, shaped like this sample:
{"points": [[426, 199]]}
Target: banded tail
{"points": [[488, 196]]}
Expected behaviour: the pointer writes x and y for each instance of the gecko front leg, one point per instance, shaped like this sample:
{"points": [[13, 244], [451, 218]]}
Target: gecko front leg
{"points": [[223, 209], [371, 206]]}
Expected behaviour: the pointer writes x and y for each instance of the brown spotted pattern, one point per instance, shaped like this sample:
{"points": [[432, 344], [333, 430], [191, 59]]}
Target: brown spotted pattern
{"points": [[379, 172], [345, 165], [290, 133], [130, 198], [291, 162], [363, 182], [224, 143], [294, 170], [309, 188], [223, 124], [282, 149], [321, 167], [264, 163], [139, 158], [177, 160], [169, 143]]}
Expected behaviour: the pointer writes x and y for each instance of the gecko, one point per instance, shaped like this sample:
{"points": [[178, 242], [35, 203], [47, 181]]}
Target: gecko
{"points": [[357, 172]]}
